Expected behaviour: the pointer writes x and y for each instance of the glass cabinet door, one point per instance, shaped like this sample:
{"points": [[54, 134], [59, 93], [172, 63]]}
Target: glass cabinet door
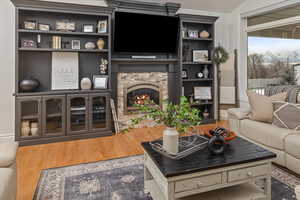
{"points": [[29, 117], [54, 115], [77, 114], [99, 112]]}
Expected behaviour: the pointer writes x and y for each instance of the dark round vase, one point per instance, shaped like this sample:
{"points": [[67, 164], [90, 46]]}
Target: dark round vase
{"points": [[216, 145], [29, 85]]}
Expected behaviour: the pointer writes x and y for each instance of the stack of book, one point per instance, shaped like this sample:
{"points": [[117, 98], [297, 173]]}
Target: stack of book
{"points": [[56, 42]]}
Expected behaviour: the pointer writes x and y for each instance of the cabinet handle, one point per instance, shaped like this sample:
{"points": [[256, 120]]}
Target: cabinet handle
{"points": [[199, 184]]}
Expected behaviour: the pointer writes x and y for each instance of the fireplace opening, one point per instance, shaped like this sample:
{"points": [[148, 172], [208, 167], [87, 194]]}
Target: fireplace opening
{"points": [[140, 94]]}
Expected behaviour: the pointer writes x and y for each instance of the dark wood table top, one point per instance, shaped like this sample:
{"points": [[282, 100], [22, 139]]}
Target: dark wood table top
{"points": [[239, 151]]}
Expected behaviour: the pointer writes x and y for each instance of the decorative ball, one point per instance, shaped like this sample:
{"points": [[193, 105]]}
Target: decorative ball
{"points": [[85, 84], [90, 45]]}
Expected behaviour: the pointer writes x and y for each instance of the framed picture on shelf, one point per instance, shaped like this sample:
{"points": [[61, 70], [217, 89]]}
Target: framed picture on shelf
{"points": [[75, 44], [28, 43], [65, 71], [30, 25], [184, 74], [100, 82], [44, 27], [102, 26], [202, 93], [193, 33], [65, 25], [200, 55], [88, 28]]}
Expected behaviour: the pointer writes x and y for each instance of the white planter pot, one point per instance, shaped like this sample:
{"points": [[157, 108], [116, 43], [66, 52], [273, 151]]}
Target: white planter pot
{"points": [[171, 140]]}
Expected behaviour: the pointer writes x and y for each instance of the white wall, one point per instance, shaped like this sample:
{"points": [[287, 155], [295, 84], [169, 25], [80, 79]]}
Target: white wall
{"points": [[7, 76], [247, 8]]}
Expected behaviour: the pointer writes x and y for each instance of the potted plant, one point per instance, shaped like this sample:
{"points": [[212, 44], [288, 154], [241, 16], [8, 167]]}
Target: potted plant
{"points": [[178, 118]]}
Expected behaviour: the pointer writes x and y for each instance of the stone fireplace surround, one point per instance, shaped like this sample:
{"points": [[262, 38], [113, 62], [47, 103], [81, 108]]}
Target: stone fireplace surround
{"points": [[127, 80]]}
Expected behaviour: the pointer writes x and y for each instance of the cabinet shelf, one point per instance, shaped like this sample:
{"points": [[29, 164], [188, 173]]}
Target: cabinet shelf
{"points": [[57, 92], [29, 117], [62, 33], [201, 104], [197, 80], [198, 39], [64, 50], [198, 63]]}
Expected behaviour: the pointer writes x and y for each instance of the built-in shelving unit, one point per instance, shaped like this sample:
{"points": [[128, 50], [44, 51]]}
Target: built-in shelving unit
{"points": [[58, 115], [192, 69]]}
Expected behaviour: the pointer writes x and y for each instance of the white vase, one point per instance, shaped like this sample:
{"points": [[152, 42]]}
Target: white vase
{"points": [[85, 84], [25, 131], [171, 140], [205, 72], [34, 131]]}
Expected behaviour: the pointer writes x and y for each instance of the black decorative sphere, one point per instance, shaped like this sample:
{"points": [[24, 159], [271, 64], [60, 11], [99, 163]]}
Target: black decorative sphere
{"points": [[29, 85], [216, 144]]}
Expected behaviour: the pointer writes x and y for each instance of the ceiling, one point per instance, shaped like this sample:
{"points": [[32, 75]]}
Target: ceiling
{"points": [[205, 5]]}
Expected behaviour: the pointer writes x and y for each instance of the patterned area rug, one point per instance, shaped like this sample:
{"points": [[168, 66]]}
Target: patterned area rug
{"points": [[122, 179]]}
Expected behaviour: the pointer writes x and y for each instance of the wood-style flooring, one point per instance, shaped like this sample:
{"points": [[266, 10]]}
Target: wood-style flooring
{"points": [[31, 160]]}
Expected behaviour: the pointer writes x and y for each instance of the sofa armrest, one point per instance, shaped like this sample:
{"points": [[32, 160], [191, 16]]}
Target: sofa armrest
{"points": [[238, 113], [8, 152]]}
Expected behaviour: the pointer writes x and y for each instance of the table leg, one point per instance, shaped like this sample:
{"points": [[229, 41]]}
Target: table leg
{"points": [[268, 189]]}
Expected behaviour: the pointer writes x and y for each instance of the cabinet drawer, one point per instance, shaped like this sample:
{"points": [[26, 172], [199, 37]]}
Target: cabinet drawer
{"points": [[198, 182], [245, 173]]}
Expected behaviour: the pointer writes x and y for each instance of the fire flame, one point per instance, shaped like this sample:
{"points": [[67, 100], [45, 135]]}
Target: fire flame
{"points": [[141, 99]]}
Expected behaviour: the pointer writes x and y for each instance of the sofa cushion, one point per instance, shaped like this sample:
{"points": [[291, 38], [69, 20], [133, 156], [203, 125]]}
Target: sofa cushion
{"points": [[8, 151], [286, 115], [292, 145], [298, 99], [262, 107], [265, 133], [7, 183]]}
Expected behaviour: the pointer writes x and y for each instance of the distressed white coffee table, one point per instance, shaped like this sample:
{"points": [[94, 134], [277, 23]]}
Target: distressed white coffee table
{"points": [[228, 177]]}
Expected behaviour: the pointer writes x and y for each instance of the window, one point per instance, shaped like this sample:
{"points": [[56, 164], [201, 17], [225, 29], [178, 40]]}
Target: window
{"points": [[273, 53]]}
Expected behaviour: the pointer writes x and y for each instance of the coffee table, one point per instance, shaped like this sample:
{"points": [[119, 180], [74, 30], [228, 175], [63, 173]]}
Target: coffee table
{"points": [[241, 165]]}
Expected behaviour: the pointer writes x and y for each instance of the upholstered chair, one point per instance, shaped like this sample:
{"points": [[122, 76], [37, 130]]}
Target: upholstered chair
{"points": [[8, 170]]}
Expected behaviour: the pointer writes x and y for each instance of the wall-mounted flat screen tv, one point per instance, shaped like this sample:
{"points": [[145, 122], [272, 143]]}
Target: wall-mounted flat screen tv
{"points": [[143, 33]]}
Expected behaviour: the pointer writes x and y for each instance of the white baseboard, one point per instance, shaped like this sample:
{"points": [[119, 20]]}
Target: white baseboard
{"points": [[7, 137]]}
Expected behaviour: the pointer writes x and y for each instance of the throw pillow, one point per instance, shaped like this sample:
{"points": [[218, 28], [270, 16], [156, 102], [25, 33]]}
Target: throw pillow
{"points": [[262, 107], [286, 115]]}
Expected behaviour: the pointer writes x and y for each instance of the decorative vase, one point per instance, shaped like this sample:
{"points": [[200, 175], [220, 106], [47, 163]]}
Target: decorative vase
{"points": [[29, 85], [34, 129], [206, 114], [85, 84], [90, 45], [100, 43], [205, 72], [204, 34], [171, 140], [25, 128]]}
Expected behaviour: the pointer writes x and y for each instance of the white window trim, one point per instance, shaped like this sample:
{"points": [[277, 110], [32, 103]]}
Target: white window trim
{"points": [[243, 46]]}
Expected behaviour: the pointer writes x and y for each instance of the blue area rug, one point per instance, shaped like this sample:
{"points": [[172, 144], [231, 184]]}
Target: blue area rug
{"points": [[119, 179]]}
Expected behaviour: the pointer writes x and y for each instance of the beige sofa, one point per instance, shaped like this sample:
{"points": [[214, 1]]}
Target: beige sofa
{"points": [[8, 174], [284, 142]]}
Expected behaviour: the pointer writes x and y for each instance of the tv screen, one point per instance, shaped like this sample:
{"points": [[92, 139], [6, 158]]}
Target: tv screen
{"points": [[141, 33]]}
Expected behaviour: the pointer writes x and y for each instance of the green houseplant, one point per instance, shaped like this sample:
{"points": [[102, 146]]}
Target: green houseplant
{"points": [[177, 117]]}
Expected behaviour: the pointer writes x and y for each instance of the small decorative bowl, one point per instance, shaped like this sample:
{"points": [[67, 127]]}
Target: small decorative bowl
{"points": [[228, 138]]}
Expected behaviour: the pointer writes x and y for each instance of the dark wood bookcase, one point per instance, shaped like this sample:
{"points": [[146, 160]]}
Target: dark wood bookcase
{"points": [[60, 115], [188, 44]]}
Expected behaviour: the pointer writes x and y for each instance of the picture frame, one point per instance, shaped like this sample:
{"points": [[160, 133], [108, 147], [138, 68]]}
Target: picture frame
{"points": [[88, 28], [193, 33], [75, 44], [102, 26], [44, 27], [203, 93], [65, 71], [100, 82], [65, 25], [184, 74], [200, 55], [30, 25], [28, 43]]}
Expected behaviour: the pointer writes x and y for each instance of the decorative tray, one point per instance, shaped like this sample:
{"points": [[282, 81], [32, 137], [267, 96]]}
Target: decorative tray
{"points": [[187, 146]]}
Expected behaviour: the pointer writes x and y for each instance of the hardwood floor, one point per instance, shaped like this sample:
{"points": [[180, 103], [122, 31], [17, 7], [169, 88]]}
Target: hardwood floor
{"points": [[32, 160]]}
